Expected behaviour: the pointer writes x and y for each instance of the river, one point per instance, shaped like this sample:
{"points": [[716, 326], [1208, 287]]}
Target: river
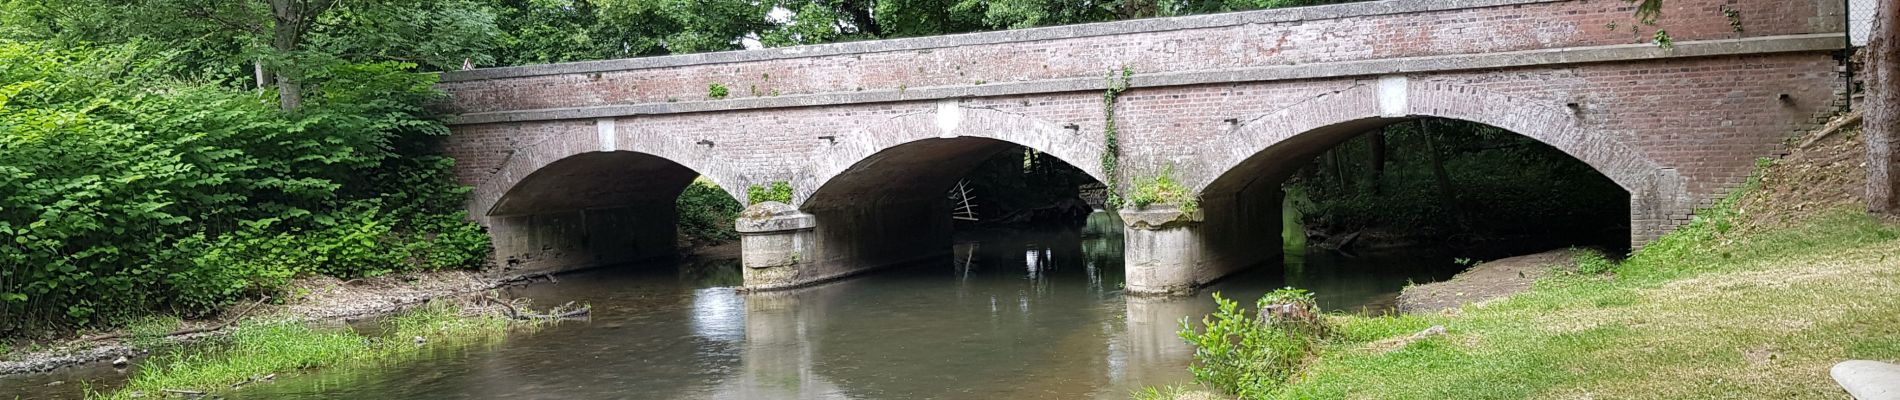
{"points": [[1010, 314]]}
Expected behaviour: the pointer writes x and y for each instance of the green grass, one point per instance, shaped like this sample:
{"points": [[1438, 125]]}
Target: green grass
{"points": [[1761, 315], [260, 348]]}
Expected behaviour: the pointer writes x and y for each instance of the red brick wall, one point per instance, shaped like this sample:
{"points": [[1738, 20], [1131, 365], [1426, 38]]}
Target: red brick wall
{"points": [[1705, 119]]}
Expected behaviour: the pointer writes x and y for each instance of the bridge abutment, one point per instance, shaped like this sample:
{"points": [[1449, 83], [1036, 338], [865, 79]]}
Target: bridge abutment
{"points": [[576, 239]]}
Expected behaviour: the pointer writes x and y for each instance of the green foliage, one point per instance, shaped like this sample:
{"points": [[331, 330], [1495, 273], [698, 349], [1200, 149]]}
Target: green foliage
{"points": [[1590, 261], [706, 213], [1251, 356], [1111, 138], [1163, 189], [716, 91], [779, 191], [814, 22], [1290, 295], [126, 192], [221, 40]]}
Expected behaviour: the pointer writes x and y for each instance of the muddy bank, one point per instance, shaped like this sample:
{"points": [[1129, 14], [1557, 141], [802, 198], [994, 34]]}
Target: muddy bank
{"points": [[1487, 281]]}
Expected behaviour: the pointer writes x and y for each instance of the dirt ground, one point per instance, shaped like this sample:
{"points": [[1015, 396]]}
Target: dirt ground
{"points": [[1486, 281], [1826, 175]]}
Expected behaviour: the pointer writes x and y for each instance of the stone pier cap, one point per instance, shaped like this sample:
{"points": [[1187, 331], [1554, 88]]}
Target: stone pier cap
{"points": [[772, 216]]}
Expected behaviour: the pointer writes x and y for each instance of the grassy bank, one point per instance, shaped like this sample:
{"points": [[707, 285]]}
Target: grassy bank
{"points": [[1717, 309], [262, 348]]}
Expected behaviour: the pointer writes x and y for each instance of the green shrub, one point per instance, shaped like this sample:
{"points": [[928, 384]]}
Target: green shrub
{"points": [[1251, 356], [125, 193], [716, 91], [706, 213], [780, 191]]}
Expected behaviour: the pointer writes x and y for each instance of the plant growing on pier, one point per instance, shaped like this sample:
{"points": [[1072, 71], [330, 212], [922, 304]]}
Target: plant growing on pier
{"points": [[779, 191], [1163, 189], [1111, 142], [716, 91]]}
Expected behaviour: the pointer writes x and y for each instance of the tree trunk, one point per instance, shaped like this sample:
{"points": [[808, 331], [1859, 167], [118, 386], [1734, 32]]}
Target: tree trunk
{"points": [[285, 37], [262, 74], [1447, 194], [1882, 118], [1376, 141]]}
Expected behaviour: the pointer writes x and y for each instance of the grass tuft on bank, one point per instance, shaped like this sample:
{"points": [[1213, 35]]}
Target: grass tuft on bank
{"points": [[1709, 311], [261, 348]]}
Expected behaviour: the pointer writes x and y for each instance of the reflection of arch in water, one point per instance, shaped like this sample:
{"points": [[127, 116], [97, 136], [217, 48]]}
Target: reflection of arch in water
{"points": [[877, 197]]}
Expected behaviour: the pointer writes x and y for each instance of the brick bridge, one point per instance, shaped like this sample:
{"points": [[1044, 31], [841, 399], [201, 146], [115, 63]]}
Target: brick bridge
{"points": [[579, 164]]}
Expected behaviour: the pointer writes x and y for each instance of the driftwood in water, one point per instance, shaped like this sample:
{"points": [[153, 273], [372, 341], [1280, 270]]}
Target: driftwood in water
{"points": [[556, 313]]}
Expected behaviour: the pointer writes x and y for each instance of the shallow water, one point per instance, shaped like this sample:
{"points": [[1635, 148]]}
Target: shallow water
{"points": [[1008, 315]]}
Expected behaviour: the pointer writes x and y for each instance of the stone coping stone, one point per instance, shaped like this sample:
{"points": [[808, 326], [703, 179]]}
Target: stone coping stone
{"points": [[1868, 380]]}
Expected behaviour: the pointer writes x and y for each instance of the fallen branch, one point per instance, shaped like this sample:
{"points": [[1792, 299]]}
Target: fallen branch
{"points": [[554, 314], [239, 317], [1838, 124]]}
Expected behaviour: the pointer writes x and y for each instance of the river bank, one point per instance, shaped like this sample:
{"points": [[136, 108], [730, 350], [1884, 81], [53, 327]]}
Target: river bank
{"points": [[1755, 298], [1486, 281], [313, 299]]}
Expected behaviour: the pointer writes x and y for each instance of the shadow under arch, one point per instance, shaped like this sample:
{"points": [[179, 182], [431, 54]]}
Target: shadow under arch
{"points": [[1311, 127], [880, 198], [588, 209], [952, 132], [1270, 148]]}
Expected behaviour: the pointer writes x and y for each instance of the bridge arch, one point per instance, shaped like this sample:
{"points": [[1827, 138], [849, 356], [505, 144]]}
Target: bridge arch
{"points": [[607, 144], [1240, 183], [576, 201], [1269, 148], [918, 145], [877, 196]]}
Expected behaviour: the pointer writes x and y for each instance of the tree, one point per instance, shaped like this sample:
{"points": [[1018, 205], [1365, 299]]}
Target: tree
{"points": [[270, 42], [1882, 123]]}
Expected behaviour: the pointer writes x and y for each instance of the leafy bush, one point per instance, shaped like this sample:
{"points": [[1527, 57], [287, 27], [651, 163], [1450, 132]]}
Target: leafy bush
{"points": [[123, 192], [706, 212], [1251, 356], [716, 91], [780, 191]]}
